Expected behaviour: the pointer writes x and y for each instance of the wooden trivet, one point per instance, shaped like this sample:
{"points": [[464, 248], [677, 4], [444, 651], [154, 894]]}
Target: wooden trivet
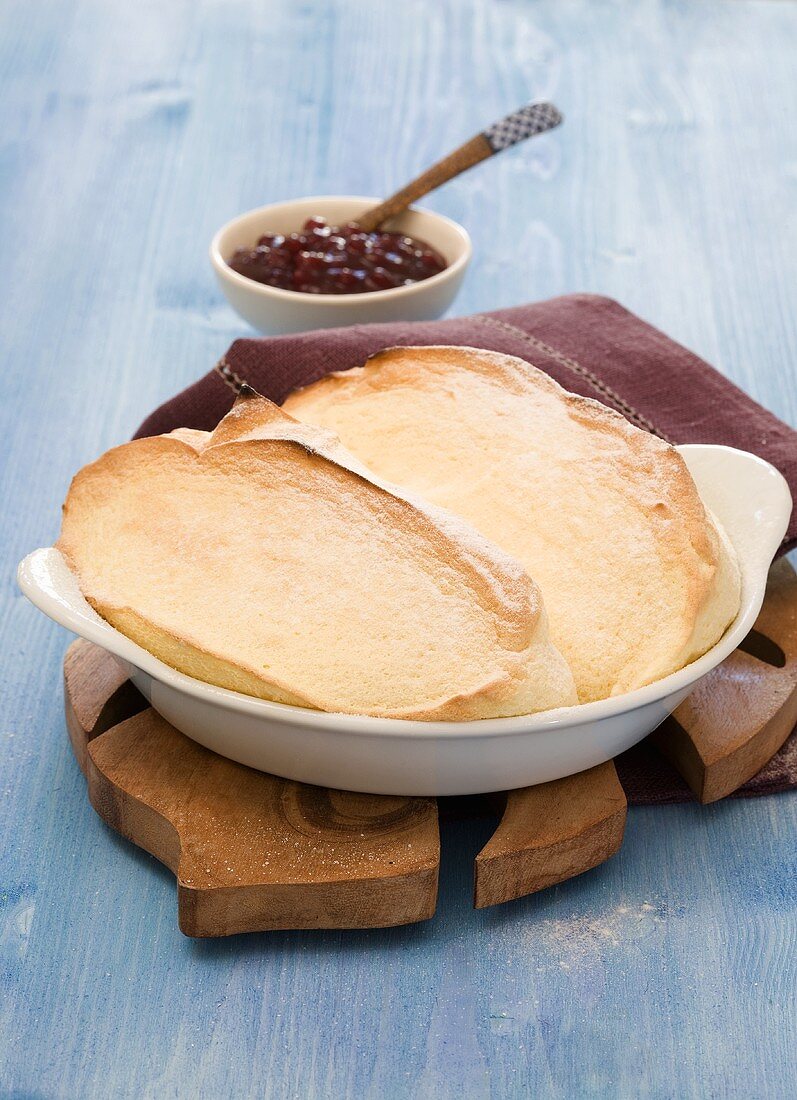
{"points": [[738, 717], [253, 852]]}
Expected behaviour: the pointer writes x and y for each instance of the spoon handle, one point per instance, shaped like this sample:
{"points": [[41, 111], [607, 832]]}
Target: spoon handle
{"points": [[534, 118]]}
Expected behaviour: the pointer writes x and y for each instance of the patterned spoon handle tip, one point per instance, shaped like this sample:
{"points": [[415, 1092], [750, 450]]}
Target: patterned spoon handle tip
{"points": [[533, 119]]}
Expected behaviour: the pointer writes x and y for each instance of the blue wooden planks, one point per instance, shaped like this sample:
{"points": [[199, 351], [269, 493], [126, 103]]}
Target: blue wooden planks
{"points": [[129, 133]]}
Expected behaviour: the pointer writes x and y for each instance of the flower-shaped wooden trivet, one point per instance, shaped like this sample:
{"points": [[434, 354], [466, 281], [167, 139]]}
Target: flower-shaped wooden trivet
{"points": [[254, 852]]}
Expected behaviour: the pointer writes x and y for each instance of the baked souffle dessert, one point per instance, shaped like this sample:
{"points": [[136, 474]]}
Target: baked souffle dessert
{"points": [[262, 558], [638, 579]]}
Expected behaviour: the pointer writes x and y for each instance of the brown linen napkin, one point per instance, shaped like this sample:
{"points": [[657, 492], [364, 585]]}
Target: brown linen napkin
{"points": [[589, 344]]}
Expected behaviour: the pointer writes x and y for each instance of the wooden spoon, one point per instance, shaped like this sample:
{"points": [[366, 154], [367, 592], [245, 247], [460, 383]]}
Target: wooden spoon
{"points": [[533, 119]]}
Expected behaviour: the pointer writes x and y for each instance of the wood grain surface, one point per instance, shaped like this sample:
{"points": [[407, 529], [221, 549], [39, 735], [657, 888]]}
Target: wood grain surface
{"points": [[251, 852], [130, 132], [550, 833], [741, 713], [256, 853], [97, 696]]}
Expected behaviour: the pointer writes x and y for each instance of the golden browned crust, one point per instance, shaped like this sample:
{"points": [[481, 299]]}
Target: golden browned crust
{"points": [[650, 474], [264, 450]]}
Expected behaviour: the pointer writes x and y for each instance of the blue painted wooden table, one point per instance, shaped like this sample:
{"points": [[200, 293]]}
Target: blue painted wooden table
{"points": [[129, 133]]}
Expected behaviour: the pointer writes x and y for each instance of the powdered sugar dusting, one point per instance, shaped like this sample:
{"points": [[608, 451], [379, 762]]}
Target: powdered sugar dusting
{"points": [[578, 938]]}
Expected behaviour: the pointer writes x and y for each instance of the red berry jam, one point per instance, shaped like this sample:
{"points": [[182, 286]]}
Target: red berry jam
{"points": [[328, 259]]}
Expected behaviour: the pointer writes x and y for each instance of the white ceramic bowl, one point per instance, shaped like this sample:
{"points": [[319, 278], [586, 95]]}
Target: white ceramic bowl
{"points": [[397, 756], [272, 310]]}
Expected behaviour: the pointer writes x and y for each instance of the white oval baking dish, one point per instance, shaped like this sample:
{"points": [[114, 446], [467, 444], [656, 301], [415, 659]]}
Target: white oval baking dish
{"points": [[401, 757]]}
